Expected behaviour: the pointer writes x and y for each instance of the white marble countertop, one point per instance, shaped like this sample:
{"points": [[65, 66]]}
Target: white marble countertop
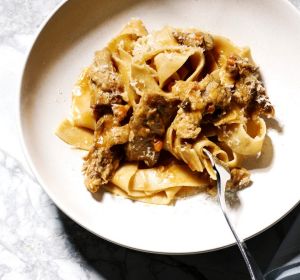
{"points": [[37, 241]]}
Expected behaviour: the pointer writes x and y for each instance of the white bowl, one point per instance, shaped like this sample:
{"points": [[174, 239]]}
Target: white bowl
{"points": [[66, 44]]}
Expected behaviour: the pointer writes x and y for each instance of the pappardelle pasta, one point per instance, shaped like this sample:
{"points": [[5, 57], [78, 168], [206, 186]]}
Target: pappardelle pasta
{"points": [[151, 102]]}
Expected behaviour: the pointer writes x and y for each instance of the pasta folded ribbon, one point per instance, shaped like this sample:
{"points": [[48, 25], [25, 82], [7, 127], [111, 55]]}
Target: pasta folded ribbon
{"points": [[78, 137], [170, 64], [82, 114], [193, 155], [246, 138], [156, 184]]}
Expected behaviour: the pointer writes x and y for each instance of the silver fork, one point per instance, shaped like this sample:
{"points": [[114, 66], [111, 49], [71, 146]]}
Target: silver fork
{"points": [[223, 175]]}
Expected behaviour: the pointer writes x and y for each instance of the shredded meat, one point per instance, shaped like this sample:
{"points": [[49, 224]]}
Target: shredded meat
{"points": [[103, 159], [103, 73], [99, 166], [194, 39], [240, 178], [202, 95], [148, 124], [249, 91], [107, 104], [238, 66], [120, 111], [187, 124], [108, 132], [106, 83], [199, 99]]}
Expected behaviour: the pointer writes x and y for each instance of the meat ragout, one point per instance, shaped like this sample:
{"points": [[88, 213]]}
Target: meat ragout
{"points": [[136, 132]]}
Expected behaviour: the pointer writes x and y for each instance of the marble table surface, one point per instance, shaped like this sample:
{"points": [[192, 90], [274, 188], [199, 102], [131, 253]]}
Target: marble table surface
{"points": [[37, 241]]}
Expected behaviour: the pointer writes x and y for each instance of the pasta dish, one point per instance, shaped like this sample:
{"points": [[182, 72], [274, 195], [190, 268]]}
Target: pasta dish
{"points": [[150, 103]]}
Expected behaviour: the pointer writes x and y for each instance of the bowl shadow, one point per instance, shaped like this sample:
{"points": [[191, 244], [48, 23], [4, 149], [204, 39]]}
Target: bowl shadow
{"points": [[112, 261]]}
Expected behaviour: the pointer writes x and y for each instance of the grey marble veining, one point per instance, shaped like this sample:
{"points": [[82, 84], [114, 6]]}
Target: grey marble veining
{"points": [[37, 241], [296, 3], [20, 19], [33, 243]]}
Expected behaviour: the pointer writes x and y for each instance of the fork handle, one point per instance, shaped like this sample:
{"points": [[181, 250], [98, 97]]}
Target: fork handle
{"points": [[252, 266]]}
